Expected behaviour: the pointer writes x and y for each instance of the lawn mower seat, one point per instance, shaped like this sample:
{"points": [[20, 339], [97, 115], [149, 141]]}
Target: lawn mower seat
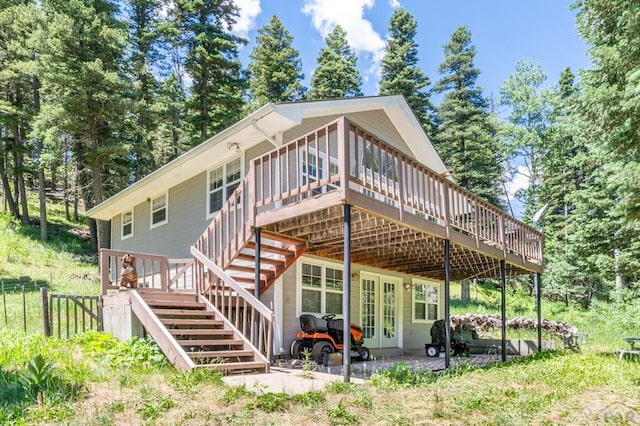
{"points": [[310, 324]]}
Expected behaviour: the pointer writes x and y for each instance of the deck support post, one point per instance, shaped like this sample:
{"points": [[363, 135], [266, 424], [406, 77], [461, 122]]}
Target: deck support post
{"points": [[346, 300], [256, 289], [537, 282], [447, 304], [503, 308]]}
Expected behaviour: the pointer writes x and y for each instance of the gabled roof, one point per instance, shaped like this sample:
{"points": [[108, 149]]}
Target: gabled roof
{"points": [[264, 124]]}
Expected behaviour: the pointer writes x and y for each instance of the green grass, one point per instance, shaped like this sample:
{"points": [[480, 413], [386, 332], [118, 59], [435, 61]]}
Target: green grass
{"points": [[93, 379]]}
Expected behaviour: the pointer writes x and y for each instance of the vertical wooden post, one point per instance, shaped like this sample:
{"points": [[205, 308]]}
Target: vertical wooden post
{"points": [[346, 300], [447, 309], [503, 308], [46, 329], [256, 290], [344, 155]]}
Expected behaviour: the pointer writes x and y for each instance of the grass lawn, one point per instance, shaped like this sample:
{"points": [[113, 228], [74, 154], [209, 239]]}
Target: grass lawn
{"points": [[95, 380]]}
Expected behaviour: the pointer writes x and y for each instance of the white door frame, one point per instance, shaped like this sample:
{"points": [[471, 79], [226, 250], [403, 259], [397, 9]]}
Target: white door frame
{"points": [[381, 337]]}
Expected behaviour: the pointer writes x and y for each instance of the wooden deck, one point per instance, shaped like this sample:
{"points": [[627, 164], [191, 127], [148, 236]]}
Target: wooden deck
{"points": [[402, 212]]}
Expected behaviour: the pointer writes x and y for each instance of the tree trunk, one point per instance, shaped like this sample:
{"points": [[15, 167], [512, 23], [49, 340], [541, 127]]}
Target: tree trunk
{"points": [[19, 174], [102, 228], [42, 193], [6, 186], [465, 296]]}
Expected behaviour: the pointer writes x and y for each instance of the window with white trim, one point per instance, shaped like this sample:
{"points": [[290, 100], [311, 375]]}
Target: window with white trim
{"points": [[160, 210], [222, 182], [321, 289], [424, 301], [126, 221]]}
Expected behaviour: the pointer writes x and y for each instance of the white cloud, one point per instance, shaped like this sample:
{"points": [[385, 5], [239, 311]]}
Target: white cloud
{"points": [[249, 11], [394, 4], [349, 14]]}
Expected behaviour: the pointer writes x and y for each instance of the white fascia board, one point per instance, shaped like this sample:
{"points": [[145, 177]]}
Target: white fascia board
{"points": [[194, 161]]}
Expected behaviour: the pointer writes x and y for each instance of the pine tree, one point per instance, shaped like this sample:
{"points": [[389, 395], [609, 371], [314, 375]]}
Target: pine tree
{"points": [[19, 101], [82, 82], [218, 84], [336, 74], [275, 70], [400, 74], [466, 134], [611, 87], [144, 55], [170, 135]]}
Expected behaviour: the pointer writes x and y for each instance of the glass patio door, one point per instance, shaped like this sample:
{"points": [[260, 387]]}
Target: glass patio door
{"points": [[379, 310]]}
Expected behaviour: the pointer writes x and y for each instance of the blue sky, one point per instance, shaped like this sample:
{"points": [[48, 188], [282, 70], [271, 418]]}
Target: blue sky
{"points": [[503, 31]]}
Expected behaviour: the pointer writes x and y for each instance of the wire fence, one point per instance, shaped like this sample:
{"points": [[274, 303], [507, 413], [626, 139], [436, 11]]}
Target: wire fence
{"points": [[27, 306]]}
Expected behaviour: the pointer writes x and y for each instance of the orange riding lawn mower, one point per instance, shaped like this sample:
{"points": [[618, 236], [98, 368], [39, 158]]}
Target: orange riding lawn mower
{"points": [[326, 336]]}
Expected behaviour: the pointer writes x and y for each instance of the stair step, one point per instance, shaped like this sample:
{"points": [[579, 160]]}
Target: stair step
{"points": [[226, 366], [271, 249], [282, 238], [220, 354], [263, 260], [252, 270], [247, 280], [193, 322], [200, 332], [159, 295], [175, 304], [209, 342], [185, 313]]}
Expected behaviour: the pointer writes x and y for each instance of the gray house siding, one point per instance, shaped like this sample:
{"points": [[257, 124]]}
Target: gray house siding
{"points": [[186, 222], [376, 122]]}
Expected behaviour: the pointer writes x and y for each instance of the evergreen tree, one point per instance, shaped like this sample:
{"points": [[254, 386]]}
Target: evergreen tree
{"points": [[19, 100], [336, 74], [275, 70], [170, 135], [144, 56], [86, 97], [611, 87], [466, 133], [400, 74], [606, 206], [218, 84]]}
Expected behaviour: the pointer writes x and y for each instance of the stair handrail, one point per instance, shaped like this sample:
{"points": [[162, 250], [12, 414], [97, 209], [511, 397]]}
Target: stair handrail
{"points": [[236, 235], [262, 339], [230, 282]]}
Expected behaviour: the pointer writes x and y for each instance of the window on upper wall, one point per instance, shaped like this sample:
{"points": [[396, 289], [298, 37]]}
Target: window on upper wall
{"points": [[223, 181], [321, 289], [160, 210], [424, 301], [126, 220]]}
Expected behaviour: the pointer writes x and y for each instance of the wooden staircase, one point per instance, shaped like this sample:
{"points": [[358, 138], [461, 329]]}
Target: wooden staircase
{"points": [[196, 333], [277, 254]]}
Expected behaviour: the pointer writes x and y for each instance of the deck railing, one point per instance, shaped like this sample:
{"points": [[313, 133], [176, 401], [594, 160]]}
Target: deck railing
{"points": [[322, 160], [154, 271]]}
